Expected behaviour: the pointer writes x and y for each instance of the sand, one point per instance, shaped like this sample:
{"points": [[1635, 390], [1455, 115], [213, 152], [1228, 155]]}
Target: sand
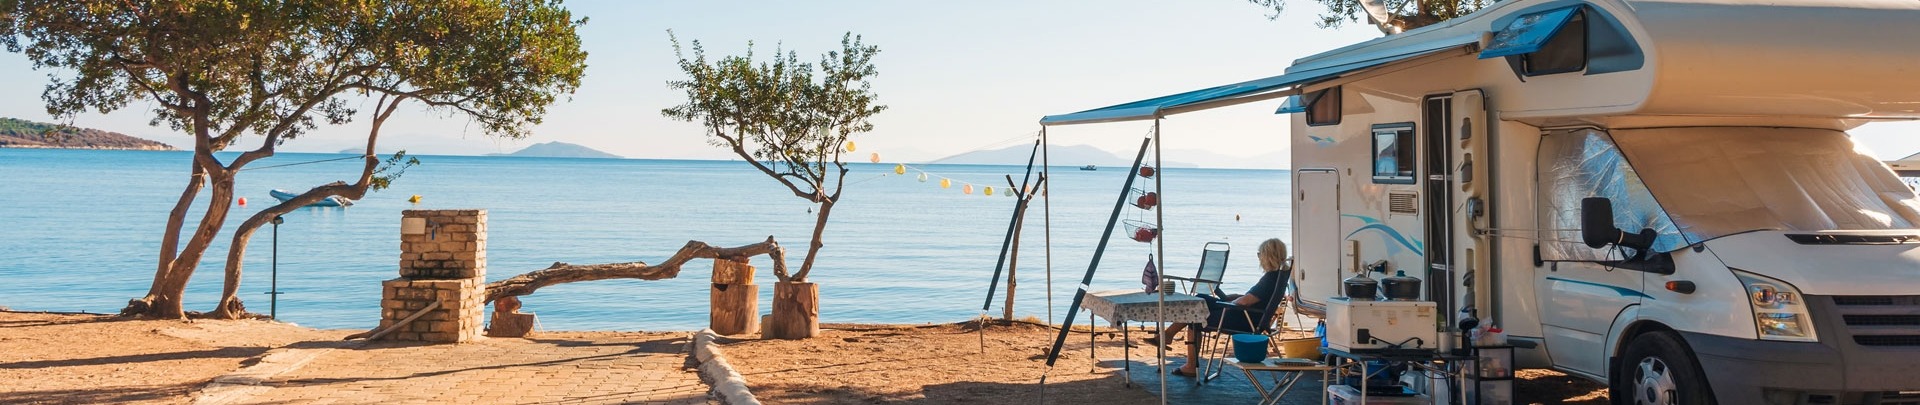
{"points": [[71, 358]]}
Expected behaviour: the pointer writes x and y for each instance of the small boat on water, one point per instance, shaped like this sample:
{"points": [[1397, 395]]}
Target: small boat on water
{"points": [[330, 201], [1089, 168]]}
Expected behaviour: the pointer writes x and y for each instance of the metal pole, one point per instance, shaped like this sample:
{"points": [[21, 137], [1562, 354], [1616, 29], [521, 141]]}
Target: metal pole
{"points": [[1160, 246], [273, 306], [1046, 210]]}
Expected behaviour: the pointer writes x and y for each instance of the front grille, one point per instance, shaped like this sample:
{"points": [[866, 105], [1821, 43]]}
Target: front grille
{"points": [[1864, 320], [1881, 320]]}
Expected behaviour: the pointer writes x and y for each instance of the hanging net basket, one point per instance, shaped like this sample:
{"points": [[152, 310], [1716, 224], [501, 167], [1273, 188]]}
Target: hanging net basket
{"points": [[1142, 231], [1143, 199]]}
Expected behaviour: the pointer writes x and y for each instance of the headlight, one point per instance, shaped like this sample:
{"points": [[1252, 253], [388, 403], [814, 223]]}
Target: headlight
{"points": [[1779, 313]]}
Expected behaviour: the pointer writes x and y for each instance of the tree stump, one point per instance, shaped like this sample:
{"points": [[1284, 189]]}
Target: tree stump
{"points": [[735, 300], [508, 321], [796, 312]]}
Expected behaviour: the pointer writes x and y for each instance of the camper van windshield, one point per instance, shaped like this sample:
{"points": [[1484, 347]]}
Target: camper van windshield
{"points": [[1718, 181]]}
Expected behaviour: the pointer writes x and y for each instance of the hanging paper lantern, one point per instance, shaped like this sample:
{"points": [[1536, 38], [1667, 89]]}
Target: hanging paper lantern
{"points": [[897, 168], [967, 190], [923, 177], [946, 183], [849, 146], [875, 157], [1147, 171], [989, 190]]}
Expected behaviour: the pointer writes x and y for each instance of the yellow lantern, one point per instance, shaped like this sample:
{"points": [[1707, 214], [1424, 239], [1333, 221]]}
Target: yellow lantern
{"points": [[874, 158], [946, 183], [897, 168], [849, 146], [989, 190], [967, 190]]}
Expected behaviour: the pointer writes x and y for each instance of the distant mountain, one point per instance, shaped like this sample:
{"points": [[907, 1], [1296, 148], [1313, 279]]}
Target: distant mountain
{"points": [[560, 150], [18, 133], [1058, 155]]}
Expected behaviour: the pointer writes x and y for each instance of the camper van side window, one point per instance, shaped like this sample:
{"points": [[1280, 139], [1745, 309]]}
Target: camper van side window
{"points": [[1393, 153], [1566, 52], [1323, 107]]}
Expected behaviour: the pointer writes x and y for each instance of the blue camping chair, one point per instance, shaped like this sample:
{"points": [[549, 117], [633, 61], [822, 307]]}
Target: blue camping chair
{"points": [[1213, 266]]}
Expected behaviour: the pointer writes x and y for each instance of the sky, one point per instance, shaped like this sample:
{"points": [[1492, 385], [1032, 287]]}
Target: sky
{"points": [[957, 76]]}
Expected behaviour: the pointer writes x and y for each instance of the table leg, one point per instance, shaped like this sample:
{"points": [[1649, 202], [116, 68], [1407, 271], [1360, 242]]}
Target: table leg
{"points": [[1126, 350], [1257, 386]]}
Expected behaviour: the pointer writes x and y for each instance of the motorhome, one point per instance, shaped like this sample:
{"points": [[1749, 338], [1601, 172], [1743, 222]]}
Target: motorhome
{"points": [[1659, 195]]}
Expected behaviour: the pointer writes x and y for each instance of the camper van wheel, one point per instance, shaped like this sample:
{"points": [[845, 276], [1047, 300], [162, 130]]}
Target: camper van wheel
{"points": [[1657, 369]]}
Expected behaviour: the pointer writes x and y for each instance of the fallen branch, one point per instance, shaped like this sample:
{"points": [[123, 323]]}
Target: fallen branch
{"points": [[375, 335], [559, 272]]}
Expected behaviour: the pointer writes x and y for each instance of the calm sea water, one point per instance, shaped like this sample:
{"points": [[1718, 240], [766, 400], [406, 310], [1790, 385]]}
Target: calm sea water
{"points": [[80, 230]]}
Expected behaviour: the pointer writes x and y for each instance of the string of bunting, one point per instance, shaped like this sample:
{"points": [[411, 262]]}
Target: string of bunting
{"points": [[945, 181]]}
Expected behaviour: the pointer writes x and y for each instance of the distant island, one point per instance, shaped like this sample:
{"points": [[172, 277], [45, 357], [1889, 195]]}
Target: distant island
{"points": [[559, 150], [19, 133]]}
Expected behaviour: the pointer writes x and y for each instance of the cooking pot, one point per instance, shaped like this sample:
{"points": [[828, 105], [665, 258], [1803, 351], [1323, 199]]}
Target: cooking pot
{"points": [[1360, 287], [1400, 287]]}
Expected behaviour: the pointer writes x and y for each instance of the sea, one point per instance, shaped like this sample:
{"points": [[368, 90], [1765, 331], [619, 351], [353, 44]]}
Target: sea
{"points": [[80, 230]]}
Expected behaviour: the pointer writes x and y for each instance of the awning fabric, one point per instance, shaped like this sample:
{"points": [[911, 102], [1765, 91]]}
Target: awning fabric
{"points": [[1528, 33], [1254, 90]]}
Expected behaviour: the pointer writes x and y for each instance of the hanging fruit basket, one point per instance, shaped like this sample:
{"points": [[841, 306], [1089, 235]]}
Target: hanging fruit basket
{"points": [[1142, 231], [1143, 199], [1147, 171]]}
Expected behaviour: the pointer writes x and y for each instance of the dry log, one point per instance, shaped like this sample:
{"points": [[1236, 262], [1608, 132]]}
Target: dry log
{"points": [[735, 310], [559, 272], [796, 312]]}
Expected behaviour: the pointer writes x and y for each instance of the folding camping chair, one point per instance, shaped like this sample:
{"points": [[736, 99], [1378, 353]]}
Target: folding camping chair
{"points": [[1213, 266], [1261, 321]]}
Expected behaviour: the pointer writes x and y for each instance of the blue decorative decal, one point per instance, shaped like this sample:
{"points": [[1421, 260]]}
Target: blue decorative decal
{"points": [[1321, 142], [1387, 234], [1623, 291]]}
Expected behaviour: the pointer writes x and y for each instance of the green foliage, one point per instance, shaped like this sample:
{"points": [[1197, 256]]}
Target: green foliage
{"points": [[784, 116], [224, 68], [391, 170], [1402, 14]]}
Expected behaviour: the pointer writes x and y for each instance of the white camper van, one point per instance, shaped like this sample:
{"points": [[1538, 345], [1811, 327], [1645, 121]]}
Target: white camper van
{"points": [[1660, 195], [1656, 194]]}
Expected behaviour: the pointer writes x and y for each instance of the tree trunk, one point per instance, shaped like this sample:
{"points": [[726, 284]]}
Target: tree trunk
{"points": [[796, 311], [813, 248], [1013, 261], [736, 309], [164, 299]]}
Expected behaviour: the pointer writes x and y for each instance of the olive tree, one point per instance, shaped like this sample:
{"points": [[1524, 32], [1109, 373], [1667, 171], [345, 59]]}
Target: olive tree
{"points": [[786, 118], [229, 71]]}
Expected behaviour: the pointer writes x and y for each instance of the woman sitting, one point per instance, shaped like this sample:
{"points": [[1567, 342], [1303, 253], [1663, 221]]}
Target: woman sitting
{"points": [[1273, 259]]}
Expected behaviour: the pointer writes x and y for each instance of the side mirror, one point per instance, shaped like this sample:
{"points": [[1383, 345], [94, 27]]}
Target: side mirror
{"points": [[1597, 229]]}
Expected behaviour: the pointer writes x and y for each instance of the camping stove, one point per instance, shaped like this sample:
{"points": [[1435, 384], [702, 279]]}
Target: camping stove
{"points": [[1372, 326]]}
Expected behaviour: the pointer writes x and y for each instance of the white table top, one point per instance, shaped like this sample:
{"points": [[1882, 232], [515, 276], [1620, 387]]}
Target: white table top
{"points": [[1119, 306]]}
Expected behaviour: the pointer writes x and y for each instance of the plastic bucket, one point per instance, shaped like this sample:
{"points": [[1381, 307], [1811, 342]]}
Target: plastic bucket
{"points": [[1303, 348], [1250, 348]]}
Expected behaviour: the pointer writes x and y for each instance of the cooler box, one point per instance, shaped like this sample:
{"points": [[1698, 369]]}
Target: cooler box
{"points": [[1364, 326], [1348, 395]]}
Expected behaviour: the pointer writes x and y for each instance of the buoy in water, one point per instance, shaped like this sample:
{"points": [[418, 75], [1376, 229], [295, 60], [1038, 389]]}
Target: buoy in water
{"points": [[415, 199], [243, 201]]}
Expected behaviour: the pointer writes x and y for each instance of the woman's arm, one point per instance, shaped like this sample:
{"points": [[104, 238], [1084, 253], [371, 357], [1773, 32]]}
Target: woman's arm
{"points": [[1247, 300]]}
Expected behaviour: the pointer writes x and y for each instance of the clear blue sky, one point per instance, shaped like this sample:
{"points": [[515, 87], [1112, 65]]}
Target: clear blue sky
{"points": [[958, 75]]}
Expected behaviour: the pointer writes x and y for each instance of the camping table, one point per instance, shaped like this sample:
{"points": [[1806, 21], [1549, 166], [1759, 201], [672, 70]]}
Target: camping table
{"points": [[1121, 306], [1284, 374]]}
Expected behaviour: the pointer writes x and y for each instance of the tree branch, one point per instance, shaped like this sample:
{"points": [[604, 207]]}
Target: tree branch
{"points": [[559, 272]]}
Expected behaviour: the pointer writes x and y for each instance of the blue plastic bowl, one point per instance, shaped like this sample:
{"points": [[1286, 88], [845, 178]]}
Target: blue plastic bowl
{"points": [[1250, 348]]}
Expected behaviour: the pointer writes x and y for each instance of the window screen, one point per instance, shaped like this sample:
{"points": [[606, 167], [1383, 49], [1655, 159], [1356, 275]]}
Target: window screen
{"points": [[1565, 52], [1323, 107], [1393, 153]]}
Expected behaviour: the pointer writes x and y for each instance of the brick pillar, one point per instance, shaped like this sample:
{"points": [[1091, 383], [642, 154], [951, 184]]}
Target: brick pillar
{"points": [[443, 257]]}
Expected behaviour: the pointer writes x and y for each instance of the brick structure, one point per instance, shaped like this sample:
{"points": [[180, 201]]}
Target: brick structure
{"points": [[443, 257]]}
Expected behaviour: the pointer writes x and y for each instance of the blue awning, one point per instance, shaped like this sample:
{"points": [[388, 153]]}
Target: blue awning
{"points": [[1528, 33], [1253, 90], [1293, 105]]}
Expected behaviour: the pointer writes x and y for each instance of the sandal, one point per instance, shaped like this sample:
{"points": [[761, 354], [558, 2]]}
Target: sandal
{"points": [[1184, 373]]}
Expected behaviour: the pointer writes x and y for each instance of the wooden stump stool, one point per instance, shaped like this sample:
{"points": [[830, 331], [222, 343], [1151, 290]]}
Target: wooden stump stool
{"points": [[507, 319], [796, 311], [734, 298]]}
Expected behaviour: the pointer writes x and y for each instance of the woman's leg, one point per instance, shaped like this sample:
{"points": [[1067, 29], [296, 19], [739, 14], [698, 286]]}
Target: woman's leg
{"points": [[1193, 351]]}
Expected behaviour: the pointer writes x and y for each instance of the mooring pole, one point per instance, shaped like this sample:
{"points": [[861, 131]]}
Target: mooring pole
{"points": [[273, 306]]}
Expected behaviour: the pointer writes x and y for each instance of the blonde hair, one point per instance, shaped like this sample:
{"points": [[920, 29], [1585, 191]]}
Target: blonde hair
{"points": [[1273, 255]]}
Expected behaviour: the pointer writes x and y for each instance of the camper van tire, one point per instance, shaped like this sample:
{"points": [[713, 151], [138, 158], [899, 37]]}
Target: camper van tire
{"points": [[1658, 369]]}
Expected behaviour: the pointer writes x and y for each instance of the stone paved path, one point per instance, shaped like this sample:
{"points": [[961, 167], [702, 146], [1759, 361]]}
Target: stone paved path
{"points": [[553, 367]]}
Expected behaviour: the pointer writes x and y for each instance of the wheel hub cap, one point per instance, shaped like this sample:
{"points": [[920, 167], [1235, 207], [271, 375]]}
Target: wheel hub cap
{"points": [[1653, 383]]}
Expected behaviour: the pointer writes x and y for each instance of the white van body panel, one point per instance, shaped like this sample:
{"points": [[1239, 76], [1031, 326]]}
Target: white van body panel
{"points": [[1890, 269]]}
